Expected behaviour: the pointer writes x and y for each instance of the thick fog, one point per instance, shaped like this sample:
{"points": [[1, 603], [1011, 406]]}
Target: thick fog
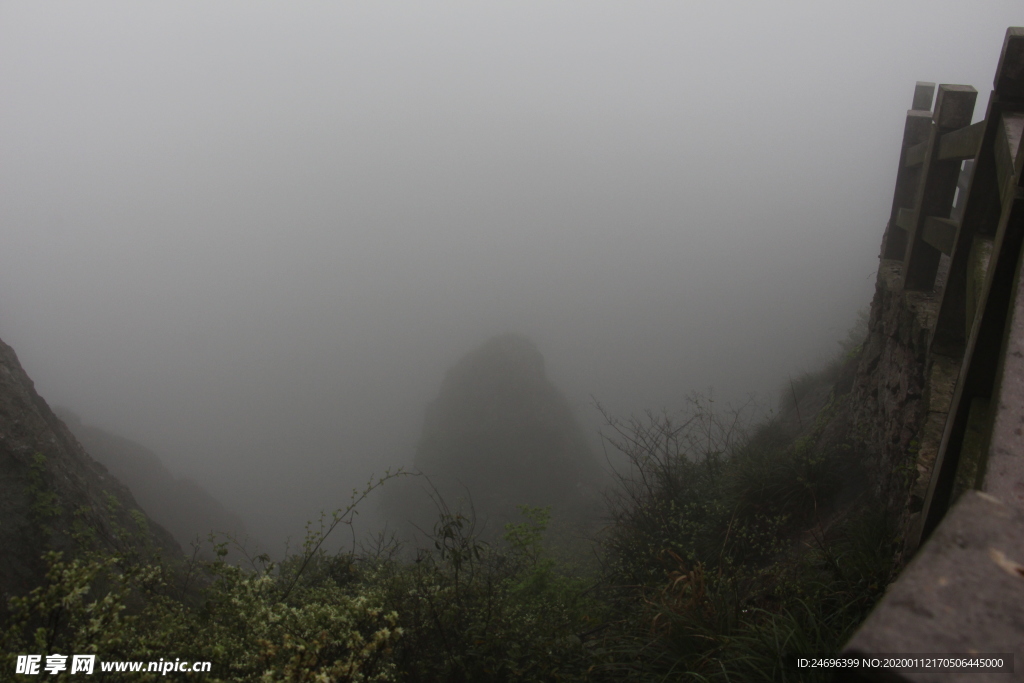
{"points": [[254, 236]]}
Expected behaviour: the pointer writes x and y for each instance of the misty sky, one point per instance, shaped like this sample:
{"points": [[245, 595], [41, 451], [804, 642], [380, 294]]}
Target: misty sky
{"points": [[253, 236]]}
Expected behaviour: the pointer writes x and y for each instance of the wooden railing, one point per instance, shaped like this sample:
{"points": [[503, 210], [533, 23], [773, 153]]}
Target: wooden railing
{"points": [[963, 592], [974, 321]]}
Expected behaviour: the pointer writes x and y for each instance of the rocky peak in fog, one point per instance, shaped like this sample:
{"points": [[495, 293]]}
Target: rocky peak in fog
{"points": [[501, 434]]}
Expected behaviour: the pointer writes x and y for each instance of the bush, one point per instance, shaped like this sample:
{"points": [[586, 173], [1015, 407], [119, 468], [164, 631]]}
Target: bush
{"points": [[242, 627], [462, 611], [473, 612], [259, 624], [737, 550]]}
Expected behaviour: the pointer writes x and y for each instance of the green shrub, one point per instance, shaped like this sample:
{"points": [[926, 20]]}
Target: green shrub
{"points": [[473, 612], [737, 550], [242, 626]]}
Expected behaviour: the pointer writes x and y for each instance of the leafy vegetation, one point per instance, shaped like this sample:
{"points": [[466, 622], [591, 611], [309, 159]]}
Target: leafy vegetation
{"points": [[730, 549], [744, 552]]}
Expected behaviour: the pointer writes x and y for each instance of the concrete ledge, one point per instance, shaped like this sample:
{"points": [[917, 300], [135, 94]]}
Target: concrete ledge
{"points": [[962, 593]]}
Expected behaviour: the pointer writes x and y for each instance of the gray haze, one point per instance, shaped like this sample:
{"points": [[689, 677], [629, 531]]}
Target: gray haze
{"points": [[253, 236]]}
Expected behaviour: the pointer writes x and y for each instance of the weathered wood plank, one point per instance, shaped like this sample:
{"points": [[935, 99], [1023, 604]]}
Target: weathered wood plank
{"points": [[940, 233], [961, 144]]}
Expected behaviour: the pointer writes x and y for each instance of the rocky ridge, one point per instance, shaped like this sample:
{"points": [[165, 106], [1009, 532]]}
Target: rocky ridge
{"points": [[53, 494], [180, 505]]}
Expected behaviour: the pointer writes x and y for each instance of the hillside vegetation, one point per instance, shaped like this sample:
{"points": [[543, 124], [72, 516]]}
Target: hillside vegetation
{"points": [[727, 550]]}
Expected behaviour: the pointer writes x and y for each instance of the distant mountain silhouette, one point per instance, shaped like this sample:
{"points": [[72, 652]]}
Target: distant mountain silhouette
{"points": [[500, 434], [182, 506], [53, 495]]}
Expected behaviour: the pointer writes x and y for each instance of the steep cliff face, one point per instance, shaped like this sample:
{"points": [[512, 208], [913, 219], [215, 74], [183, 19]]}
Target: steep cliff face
{"points": [[181, 506], [501, 434], [901, 394], [53, 495]]}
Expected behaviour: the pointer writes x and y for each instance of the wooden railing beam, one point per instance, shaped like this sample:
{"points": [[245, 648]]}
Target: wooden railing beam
{"points": [[982, 360], [905, 218], [954, 107], [940, 233], [961, 144]]}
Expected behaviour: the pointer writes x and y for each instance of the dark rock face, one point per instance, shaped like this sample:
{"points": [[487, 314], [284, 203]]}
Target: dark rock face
{"points": [[53, 495], [181, 506], [900, 395], [890, 382], [501, 434]]}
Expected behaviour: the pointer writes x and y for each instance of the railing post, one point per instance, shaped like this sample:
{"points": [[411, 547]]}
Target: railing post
{"points": [[954, 107], [915, 131]]}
